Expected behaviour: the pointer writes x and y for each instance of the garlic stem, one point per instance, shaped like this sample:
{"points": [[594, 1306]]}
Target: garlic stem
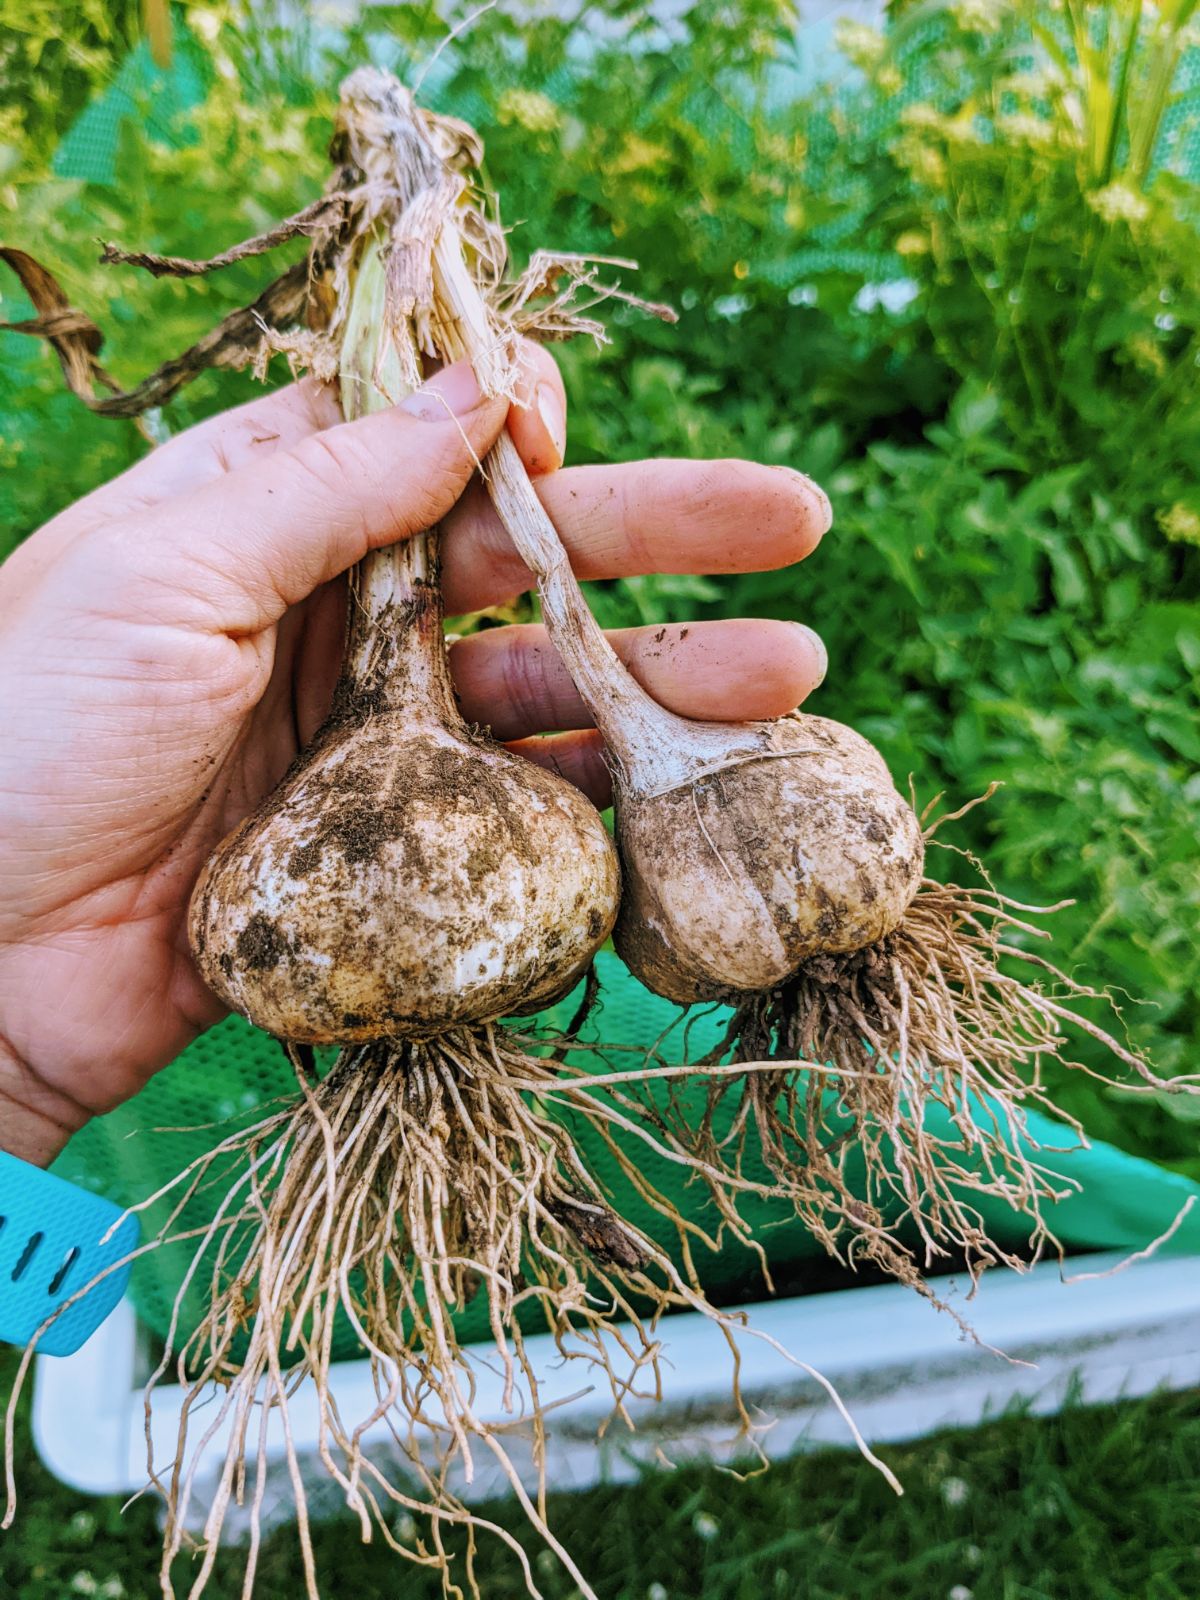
{"points": [[395, 651], [652, 746]]}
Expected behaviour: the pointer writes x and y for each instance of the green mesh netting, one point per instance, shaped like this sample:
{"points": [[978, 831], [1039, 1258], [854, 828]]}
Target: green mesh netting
{"points": [[154, 97], [1122, 1202]]}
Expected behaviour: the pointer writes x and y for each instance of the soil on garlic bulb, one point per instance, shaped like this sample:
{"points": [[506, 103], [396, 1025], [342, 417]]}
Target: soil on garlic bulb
{"points": [[510, 886]]}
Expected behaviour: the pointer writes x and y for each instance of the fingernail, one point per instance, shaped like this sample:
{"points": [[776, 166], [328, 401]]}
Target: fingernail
{"points": [[452, 392], [819, 650], [825, 511], [550, 409], [823, 501]]}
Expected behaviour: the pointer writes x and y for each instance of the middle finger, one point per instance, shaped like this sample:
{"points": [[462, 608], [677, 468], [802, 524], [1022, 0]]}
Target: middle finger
{"points": [[640, 517]]}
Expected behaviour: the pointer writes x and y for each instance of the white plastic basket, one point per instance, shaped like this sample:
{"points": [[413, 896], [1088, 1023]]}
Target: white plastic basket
{"points": [[902, 1368]]}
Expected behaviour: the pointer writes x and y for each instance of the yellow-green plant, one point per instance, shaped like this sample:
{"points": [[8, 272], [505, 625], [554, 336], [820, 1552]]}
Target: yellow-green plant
{"points": [[1050, 217]]}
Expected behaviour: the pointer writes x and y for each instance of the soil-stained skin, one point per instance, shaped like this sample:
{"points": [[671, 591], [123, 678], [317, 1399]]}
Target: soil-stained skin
{"points": [[736, 879], [402, 881]]}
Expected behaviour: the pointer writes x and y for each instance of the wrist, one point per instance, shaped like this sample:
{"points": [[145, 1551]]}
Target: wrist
{"points": [[35, 1119]]}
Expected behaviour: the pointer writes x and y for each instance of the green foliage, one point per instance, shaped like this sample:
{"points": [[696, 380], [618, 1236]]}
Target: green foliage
{"points": [[49, 73], [1010, 590], [1047, 210]]}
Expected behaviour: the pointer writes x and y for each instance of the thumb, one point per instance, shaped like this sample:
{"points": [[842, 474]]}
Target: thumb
{"points": [[244, 548]]}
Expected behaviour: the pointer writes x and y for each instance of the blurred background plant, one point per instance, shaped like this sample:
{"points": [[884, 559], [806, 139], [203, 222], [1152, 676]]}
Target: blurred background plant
{"points": [[953, 271]]}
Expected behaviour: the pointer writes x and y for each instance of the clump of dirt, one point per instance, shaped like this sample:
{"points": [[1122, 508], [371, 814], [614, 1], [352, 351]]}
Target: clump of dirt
{"points": [[260, 945]]}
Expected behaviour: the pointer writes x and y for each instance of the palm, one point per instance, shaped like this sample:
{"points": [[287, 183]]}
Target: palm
{"points": [[176, 771]]}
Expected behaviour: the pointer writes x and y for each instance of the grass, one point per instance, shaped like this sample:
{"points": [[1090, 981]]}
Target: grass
{"points": [[1094, 1504]]}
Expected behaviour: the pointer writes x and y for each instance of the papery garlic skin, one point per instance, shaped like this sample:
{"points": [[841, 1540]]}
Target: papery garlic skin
{"points": [[737, 878]]}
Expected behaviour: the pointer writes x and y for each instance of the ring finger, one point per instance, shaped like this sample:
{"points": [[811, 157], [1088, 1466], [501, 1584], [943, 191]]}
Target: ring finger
{"points": [[513, 679]]}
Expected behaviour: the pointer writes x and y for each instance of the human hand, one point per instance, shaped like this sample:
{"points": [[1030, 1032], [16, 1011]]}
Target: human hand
{"points": [[170, 642]]}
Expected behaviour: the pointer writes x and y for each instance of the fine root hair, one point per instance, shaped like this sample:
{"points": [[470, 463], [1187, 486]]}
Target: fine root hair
{"points": [[409, 1180], [903, 1074]]}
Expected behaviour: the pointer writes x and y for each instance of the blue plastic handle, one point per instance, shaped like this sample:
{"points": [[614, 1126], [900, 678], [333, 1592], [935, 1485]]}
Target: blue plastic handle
{"points": [[53, 1244]]}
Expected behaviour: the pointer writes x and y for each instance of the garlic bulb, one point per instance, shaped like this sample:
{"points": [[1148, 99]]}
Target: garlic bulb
{"points": [[409, 875], [795, 844], [406, 878]]}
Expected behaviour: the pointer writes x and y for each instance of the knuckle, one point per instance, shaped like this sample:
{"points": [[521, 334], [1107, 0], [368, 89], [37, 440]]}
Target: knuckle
{"points": [[330, 459], [527, 693]]}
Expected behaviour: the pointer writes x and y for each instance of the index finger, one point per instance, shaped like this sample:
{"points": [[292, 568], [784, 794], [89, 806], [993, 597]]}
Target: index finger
{"points": [[640, 517]]}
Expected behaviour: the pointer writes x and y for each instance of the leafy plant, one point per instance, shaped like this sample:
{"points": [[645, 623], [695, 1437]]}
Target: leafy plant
{"points": [[50, 72], [1047, 213]]}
